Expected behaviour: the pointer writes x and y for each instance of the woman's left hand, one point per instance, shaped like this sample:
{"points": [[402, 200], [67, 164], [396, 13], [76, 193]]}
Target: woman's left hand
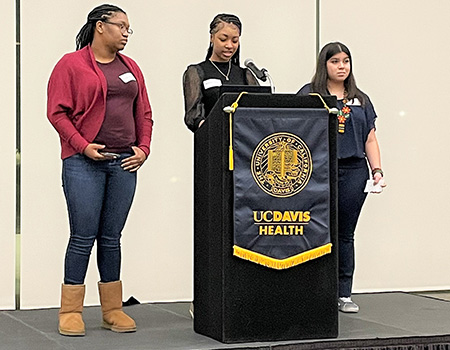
{"points": [[133, 163], [376, 179]]}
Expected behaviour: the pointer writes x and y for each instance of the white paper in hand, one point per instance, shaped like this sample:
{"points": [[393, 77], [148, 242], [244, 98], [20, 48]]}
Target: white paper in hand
{"points": [[371, 188]]}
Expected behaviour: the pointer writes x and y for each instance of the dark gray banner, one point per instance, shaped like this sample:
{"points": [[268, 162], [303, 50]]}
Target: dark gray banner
{"points": [[281, 185]]}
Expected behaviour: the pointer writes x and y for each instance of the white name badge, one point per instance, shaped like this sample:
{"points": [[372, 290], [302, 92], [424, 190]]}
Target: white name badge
{"points": [[354, 102], [210, 83], [127, 77]]}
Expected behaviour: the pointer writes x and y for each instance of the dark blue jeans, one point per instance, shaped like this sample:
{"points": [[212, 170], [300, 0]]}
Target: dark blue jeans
{"points": [[353, 174], [99, 196]]}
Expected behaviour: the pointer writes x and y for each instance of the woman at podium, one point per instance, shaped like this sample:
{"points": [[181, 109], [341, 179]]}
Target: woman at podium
{"points": [[357, 147], [202, 81]]}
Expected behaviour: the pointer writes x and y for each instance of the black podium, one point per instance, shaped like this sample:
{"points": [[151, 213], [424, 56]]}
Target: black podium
{"points": [[236, 300]]}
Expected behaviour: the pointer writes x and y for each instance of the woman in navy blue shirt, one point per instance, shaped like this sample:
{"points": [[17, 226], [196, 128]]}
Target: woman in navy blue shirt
{"points": [[357, 146]]}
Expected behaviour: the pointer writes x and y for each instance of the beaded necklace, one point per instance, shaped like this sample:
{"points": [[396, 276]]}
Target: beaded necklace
{"points": [[344, 114]]}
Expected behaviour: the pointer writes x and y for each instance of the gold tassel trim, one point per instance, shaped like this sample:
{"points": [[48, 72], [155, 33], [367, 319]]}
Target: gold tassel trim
{"points": [[231, 109], [280, 264], [319, 96], [230, 147]]}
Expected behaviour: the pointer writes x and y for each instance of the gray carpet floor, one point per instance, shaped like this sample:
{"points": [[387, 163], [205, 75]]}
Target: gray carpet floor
{"points": [[169, 326]]}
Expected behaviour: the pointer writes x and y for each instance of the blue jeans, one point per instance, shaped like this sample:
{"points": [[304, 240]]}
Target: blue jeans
{"points": [[99, 196], [353, 174]]}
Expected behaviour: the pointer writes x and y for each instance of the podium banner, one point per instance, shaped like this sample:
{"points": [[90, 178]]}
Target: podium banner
{"points": [[281, 185]]}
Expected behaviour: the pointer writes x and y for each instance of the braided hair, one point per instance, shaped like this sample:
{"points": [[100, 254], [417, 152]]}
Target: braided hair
{"points": [[214, 28], [100, 13]]}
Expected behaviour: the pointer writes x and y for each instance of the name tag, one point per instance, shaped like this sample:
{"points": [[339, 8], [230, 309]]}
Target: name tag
{"points": [[354, 102], [210, 83], [127, 77]]}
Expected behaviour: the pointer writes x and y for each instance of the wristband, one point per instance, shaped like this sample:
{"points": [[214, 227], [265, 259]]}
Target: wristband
{"points": [[377, 170]]}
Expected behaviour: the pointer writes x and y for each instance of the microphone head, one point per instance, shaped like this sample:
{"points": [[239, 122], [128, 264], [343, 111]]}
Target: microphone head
{"points": [[248, 61]]}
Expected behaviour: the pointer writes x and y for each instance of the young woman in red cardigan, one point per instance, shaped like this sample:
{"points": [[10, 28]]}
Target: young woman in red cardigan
{"points": [[98, 104]]}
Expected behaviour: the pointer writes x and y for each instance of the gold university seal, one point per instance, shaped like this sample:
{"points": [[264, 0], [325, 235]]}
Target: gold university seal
{"points": [[282, 164]]}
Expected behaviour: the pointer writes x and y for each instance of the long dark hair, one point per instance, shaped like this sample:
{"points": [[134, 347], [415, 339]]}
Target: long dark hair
{"points": [[100, 13], [319, 80], [214, 28]]}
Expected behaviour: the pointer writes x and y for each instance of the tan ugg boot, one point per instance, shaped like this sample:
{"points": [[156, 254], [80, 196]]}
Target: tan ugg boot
{"points": [[70, 320], [113, 316]]}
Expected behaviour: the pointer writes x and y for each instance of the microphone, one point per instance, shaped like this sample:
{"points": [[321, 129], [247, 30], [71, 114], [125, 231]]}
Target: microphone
{"points": [[260, 73]]}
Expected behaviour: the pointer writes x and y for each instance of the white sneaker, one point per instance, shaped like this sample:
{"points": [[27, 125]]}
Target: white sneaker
{"points": [[191, 310], [347, 305]]}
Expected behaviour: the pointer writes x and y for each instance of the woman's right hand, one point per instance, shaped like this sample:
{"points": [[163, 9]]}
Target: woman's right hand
{"points": [[92, 151]]}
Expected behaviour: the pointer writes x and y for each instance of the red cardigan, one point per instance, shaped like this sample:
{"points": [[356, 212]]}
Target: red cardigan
{"points": [[76, 102]]}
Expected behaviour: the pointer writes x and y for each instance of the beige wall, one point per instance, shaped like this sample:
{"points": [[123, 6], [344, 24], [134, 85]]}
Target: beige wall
{"points": [[7, 149], [401, 239], [169, 35], [400, 60]]}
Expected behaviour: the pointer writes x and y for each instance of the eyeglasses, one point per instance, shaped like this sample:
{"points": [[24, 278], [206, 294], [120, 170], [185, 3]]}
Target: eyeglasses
{"points": [[121, 26]]}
